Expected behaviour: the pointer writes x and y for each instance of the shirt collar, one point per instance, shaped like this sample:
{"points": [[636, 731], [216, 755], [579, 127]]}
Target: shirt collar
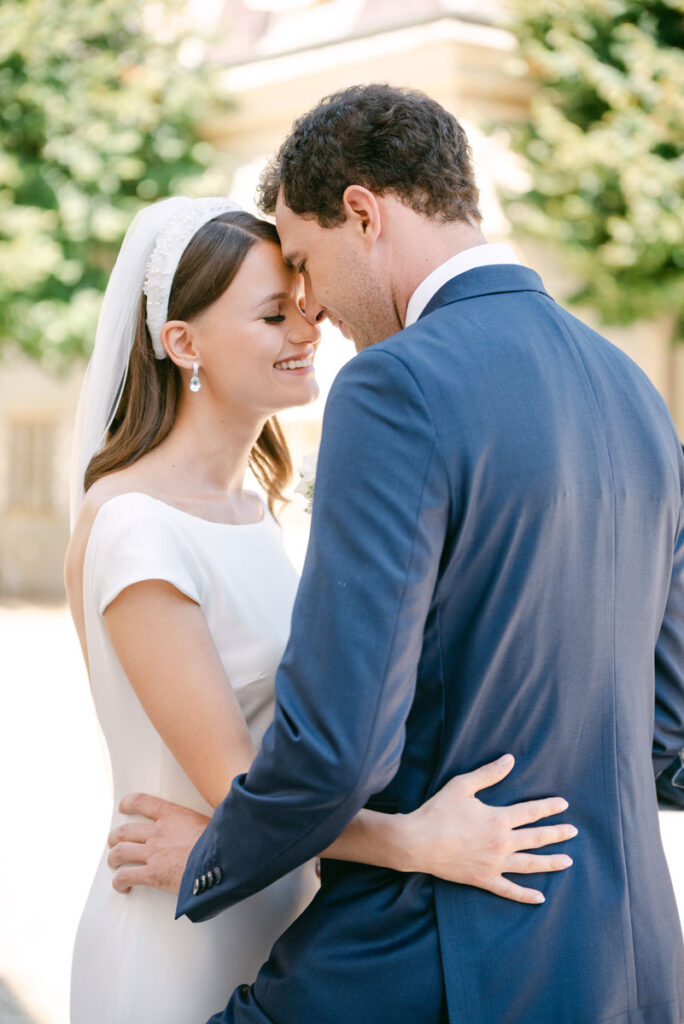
{"points": [[477, 256]]}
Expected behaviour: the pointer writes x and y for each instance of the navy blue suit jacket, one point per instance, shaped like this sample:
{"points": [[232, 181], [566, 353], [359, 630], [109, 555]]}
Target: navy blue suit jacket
{"points": [[496, 564]]}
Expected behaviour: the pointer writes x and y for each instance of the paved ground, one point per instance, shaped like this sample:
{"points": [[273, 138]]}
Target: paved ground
{"points": [[55, 809]]}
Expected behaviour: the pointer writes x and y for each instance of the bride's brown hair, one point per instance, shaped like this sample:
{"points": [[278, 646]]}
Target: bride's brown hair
{"points": [[149, 401]]}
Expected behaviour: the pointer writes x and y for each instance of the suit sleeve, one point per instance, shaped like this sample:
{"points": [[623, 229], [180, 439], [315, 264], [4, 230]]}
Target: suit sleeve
{"points": [[668, 737], [346, 683], [670, 784]]}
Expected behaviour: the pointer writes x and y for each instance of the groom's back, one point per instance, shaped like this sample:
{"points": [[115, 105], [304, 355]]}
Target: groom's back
{"points": [[565, 496]]}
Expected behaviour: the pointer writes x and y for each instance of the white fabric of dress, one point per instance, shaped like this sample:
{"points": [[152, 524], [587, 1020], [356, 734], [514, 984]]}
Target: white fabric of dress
{"points": [[133, 964]]}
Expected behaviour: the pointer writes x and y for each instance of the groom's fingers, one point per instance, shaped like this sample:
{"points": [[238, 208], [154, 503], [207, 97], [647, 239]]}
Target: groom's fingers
{"points": [[143, 803], [533, 810], [531, 863], [130, 832], [126, 878], [126, 853]]}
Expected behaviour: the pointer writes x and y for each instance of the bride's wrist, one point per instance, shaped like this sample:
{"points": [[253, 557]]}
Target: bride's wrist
{"points": [[403, 839]]}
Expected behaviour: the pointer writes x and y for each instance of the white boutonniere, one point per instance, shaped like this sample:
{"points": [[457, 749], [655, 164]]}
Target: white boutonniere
{"points": [[307, 479]]}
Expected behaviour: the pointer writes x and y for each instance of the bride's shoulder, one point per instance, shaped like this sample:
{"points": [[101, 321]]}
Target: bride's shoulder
{"points": [[100, 492], [113, 485]]}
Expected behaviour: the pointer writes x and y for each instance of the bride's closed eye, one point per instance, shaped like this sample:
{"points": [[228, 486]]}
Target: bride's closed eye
{"points": [[274, 319]]}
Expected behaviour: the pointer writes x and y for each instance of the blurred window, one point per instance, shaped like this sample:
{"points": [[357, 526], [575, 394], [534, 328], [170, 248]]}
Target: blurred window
{"points": [[30, 463]]}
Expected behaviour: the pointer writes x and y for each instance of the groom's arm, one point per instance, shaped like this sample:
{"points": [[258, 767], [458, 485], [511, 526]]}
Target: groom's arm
{"points": [[668, 737], [347, 681]]}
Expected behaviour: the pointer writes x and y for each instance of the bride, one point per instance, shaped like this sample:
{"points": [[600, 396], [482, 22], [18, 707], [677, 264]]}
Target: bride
{"points": [[181, 595]]}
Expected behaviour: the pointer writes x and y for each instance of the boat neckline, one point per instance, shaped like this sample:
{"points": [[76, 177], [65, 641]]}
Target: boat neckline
{"points": [[189, 515]]}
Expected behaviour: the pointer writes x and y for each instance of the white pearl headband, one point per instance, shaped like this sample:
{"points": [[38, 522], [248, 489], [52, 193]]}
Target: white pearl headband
{"points": [[171, 243]]}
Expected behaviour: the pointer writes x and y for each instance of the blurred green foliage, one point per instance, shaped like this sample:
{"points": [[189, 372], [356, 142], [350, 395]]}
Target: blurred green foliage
{"points": [[604, 147], [98, 115]]}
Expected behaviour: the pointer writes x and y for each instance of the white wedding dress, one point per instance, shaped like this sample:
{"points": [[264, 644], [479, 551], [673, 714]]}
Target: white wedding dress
{"points": [[133, 964]]}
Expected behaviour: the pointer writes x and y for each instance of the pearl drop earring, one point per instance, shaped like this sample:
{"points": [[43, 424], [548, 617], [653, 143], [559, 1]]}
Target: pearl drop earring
{"points": [[195, 382]]}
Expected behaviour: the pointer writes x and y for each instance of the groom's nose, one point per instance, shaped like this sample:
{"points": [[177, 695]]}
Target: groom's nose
{"points": [[314, 312]]}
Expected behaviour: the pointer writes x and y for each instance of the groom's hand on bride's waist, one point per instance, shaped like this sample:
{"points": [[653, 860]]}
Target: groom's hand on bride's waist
{"points": [[153, 852]]}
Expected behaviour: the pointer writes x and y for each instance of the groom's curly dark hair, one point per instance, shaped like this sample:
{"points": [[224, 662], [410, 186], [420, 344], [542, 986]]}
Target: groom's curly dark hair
{"points": [[387, 139]]}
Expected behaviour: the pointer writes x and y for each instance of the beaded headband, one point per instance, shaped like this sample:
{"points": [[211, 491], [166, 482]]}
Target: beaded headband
{"points": [[189, 216]]}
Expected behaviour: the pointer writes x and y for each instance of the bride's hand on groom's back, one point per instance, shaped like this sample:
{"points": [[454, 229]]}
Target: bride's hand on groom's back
{"points": [[457, 837]]}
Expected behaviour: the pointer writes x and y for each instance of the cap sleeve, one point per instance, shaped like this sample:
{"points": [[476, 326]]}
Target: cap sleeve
{"points": [[132, 541]]}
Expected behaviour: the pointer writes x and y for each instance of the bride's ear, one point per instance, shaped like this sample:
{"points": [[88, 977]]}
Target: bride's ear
{"points": [[177, 338]]}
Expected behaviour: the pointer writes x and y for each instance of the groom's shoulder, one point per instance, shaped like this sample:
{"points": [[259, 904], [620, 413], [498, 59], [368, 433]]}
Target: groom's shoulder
{"points": [[389, 359], [413, 350], [398, 368], [381, 375]]}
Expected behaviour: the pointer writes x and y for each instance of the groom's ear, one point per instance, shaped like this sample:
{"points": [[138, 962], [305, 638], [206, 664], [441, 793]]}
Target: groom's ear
{"points": [[179, 343], [363, 213]]}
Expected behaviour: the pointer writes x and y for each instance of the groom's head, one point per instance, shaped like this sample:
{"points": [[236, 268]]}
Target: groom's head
{"points": [[360, 188]]}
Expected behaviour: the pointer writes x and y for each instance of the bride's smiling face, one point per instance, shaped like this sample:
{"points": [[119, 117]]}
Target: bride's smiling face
{"points": [[254, 345]]}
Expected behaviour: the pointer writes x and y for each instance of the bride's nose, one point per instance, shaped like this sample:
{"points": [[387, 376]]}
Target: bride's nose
{"points": [[306, 329], [305, 332]]}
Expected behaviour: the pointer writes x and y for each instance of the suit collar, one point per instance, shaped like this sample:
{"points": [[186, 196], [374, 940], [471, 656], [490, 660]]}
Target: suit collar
{"points": [[467, 259], [489, 280]]}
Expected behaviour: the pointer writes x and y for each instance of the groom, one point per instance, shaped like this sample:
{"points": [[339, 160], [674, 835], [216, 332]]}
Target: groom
{"points": [[496, 562]]}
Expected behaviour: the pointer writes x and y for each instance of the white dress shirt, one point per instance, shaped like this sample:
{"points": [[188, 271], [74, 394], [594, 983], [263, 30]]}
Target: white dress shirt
{"points": [[477, 256]]}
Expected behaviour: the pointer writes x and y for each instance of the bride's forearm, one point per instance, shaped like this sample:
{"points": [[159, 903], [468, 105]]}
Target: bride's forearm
{"points": [[374, 838]]}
